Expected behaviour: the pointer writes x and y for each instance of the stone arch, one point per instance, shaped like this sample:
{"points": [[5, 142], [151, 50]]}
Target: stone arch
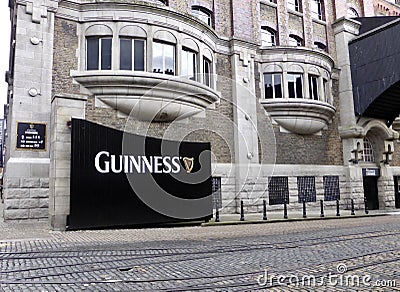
{"points": [[132, 31], [98, 30], [166, 36]]}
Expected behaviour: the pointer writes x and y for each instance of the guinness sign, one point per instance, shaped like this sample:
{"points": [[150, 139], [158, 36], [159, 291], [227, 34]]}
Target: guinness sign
{"points": [[120, 179]]}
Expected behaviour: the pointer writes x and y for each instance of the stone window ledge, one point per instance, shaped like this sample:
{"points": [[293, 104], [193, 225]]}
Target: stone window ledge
{"points": [[148, 96], [300, 116]]}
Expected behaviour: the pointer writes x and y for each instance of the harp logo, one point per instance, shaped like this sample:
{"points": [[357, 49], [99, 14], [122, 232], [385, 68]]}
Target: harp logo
{"points": [[188, 162]]}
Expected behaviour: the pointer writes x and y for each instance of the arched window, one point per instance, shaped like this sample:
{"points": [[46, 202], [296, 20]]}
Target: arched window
{"points": [[352, 13], [295, 41], [320, 46], [368, 154], [203, 14], [317, 9], [268, 37]]}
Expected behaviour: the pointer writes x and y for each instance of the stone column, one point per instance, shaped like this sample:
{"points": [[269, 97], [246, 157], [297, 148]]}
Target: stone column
{"points": [[352, 135], [63, 109], [386, 194], [26, 174]]}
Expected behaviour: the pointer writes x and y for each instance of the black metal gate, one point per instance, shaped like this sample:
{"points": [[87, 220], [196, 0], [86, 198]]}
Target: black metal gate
{"points": [[101, 196]]}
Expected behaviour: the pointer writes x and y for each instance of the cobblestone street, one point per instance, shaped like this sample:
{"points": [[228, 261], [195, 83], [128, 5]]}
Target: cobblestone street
{"points": [[358, 254]]}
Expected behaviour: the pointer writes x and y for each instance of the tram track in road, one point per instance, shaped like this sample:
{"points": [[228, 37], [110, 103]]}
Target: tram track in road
{"points": [[121, 264]]}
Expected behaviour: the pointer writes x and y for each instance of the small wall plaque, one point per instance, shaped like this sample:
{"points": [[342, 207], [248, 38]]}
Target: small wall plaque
{"points": [[31, 136]]}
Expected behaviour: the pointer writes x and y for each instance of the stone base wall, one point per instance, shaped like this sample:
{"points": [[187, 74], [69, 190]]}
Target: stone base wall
{"points": [[26, 196]]}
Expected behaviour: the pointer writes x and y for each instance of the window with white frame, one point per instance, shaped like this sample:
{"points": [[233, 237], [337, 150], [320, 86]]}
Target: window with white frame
{"points": [[132, 54], [273, 85], [207, 71], [203, 14], [317, 9], [313, 86], [268, 37], [98, 53], [368, 154], [189, 63], [294, 5], [295, 85], [295, 41], [163, 58]]}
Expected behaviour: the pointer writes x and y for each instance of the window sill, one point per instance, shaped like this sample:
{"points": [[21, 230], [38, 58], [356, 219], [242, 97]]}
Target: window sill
{"points": [[323, 22], [148, 96], [266, 2], [294, 12]]}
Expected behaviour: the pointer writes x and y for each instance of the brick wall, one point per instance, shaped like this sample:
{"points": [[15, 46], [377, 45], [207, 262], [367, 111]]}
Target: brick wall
{"points": [[65, 59]]}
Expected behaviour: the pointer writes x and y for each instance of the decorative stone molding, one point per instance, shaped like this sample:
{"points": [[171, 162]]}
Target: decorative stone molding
{"points": [[299, 116], [148, 96]]}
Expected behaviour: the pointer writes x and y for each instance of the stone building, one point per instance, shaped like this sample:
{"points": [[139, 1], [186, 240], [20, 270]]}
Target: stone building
{"points": [[268, 84]]}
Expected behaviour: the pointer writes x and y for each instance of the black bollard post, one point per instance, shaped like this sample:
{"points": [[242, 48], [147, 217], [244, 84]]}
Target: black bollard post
{"points": [[265, 210], [322, 209], [352, 207], [285, 216], [337, 208], [216, 214], [366, 205], [241, 211], [304, 209]]}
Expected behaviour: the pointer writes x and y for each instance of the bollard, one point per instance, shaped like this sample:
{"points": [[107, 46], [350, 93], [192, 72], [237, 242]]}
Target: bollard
{"points": [[216, 215], [304, 209], [322, 209], [285, 216], [265, 210], [337, 208], [366, 205], [241, 211], [352, 207]]}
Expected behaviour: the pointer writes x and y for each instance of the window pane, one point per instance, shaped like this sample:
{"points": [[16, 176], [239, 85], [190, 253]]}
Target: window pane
{"points": [[139, 55], [315, 88], [92, 54], [299, 87], [125, 59], [269, 90], [291, 86], [105, 54], [169, 54], [158, 58], [189, 64], [207, 72], [278, 85]]}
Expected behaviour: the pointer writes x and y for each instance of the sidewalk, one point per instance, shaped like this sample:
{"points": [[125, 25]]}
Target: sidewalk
{"points": [[296, 215], [40, 230]]}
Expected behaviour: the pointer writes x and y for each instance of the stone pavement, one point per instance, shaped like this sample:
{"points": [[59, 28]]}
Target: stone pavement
{"points": [[214, 258]]}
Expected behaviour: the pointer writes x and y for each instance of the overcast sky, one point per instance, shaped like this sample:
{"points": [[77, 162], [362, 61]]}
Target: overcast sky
{"points": [[4, 51]]}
